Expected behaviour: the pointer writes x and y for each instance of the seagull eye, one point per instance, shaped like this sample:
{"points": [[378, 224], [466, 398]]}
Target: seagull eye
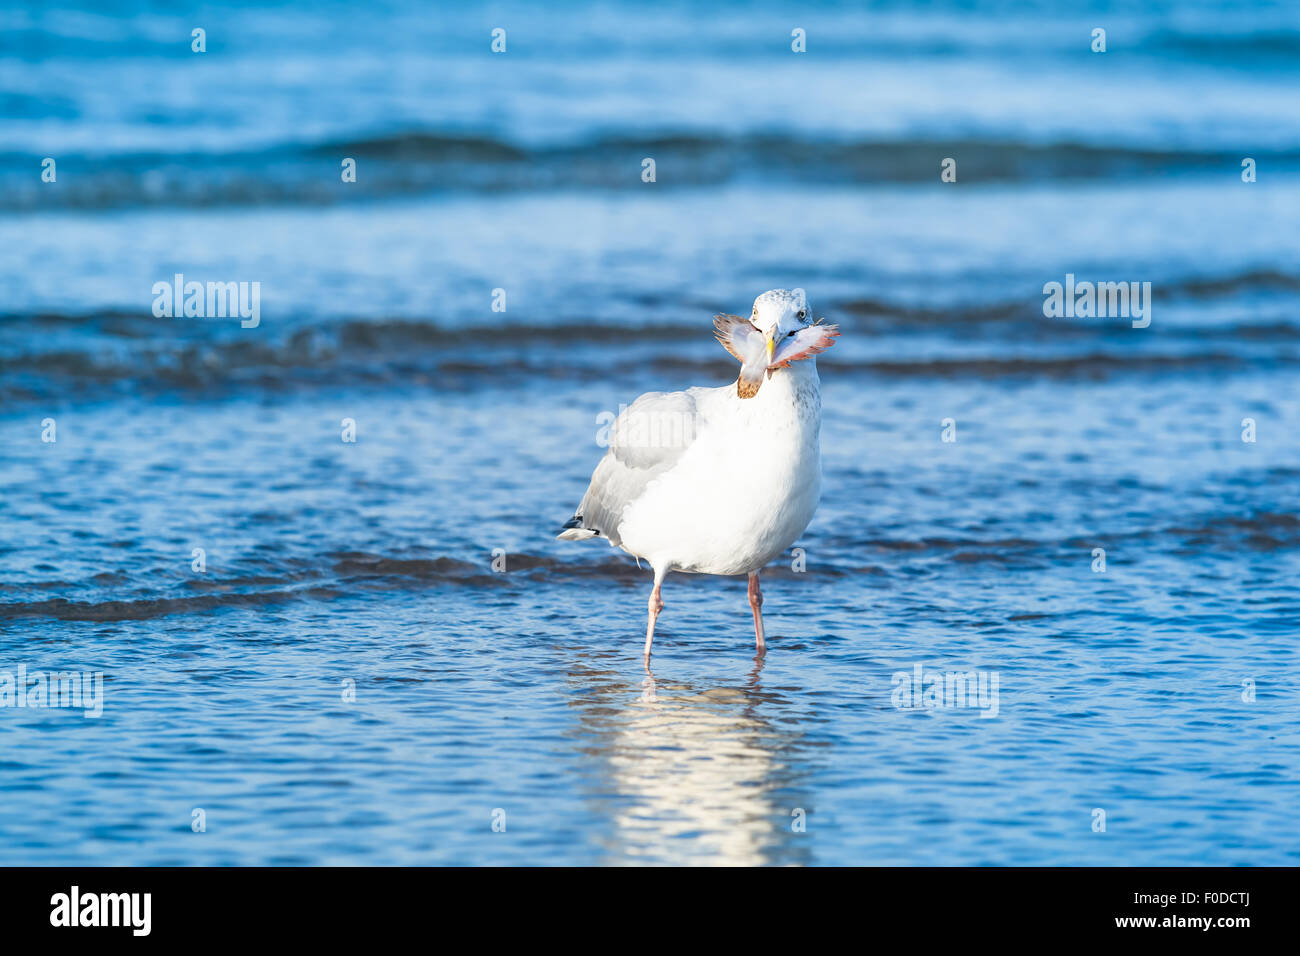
{"points": [[803, 313]]}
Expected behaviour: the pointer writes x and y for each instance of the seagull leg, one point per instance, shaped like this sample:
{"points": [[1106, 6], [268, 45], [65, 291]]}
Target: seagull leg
{"points": [[656, 605], [756, 605]]}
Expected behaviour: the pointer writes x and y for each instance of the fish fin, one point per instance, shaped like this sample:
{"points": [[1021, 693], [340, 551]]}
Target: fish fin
{"points": [[738, 336], [806, 342]]}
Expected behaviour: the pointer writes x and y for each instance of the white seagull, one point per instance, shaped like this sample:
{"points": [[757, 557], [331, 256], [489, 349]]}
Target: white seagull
{"points": [[719, 480]]}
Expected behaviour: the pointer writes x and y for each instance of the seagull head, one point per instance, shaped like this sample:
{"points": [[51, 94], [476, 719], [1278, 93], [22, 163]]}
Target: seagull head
{"points": [[778, 332], [779, 314]]}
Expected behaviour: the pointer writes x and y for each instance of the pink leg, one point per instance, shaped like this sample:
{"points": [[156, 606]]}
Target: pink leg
{"points": [[756, 604], [656, 605]]}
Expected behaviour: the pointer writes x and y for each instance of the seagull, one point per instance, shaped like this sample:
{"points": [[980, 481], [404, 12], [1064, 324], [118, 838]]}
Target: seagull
{"points": [[719, 480]]}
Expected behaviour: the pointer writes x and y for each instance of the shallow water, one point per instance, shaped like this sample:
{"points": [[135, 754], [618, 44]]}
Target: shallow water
{"points": [[351, 680]]}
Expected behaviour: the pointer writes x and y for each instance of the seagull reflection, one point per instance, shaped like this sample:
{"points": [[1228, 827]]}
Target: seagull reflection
{"points": [[690, 776]]}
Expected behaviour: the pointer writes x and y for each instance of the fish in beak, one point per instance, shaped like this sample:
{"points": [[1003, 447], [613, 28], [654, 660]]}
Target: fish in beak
{"points": [[762, 353]]}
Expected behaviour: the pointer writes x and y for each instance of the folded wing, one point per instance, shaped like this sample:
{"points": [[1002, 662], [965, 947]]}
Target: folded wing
{"points": [[644, 442]]}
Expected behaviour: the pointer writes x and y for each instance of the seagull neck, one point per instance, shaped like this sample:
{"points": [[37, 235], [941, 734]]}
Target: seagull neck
{"points": [[796, 385], [796, 375]]}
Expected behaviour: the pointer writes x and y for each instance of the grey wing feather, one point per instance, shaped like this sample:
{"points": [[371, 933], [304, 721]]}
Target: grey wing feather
{"points": [[644, 442]]}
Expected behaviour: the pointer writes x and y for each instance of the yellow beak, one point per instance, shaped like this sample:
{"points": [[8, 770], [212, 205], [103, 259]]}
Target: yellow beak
{"points": [[771, 346]]}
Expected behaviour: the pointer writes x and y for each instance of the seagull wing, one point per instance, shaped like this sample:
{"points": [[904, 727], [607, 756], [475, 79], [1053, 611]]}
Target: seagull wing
{"points": [[645, 442]]}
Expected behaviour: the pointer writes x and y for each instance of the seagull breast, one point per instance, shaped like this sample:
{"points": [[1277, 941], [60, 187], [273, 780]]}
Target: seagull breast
{"points": [[707, 481]]}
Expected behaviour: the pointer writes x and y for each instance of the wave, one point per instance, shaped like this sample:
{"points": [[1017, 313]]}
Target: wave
{"points": [[417, 162], [384, 332], [115, 352], [335, 574], [1198, 287], [332, 575], [211, 374], [1252, 280], [1251, 49], [429, 147], [1093, 365]]}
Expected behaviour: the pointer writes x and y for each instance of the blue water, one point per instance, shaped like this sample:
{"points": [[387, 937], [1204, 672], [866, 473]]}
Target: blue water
{"points": [[350, 680]]}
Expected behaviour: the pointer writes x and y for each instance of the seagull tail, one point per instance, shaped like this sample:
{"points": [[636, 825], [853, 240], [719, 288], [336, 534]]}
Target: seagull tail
{"points": [[574, 531]]}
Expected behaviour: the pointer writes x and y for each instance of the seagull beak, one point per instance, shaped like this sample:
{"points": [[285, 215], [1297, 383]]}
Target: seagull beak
{"points": [[771, 344]]}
